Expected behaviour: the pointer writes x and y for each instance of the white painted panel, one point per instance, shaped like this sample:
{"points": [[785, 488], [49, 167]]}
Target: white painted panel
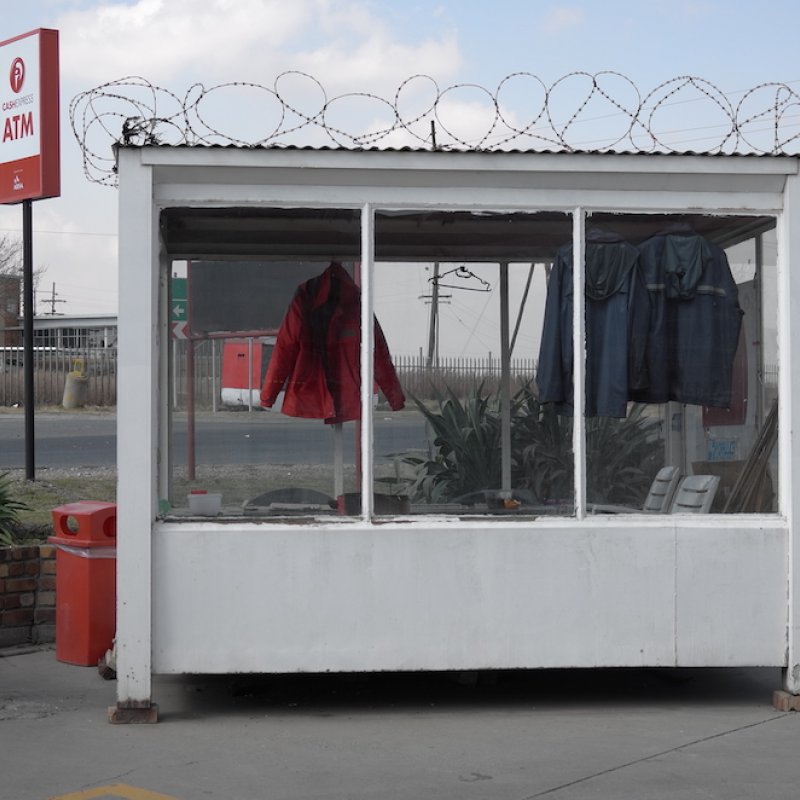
{"points": [[181, 161], [136, 425], [477, 197], [280, 599], [731, 597], [789, 411]]}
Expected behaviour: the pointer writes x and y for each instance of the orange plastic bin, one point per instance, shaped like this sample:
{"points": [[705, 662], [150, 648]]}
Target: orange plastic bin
{"points": [[86, 572]]}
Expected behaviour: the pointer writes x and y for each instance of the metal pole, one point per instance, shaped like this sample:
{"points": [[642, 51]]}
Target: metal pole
{"points": [[338, 461], [759, 326], [367, 275], [249, 374], [579, 358], [214, 388], [27, 335], [521, 310], [190, 418], [505, 386], [434, 319]]}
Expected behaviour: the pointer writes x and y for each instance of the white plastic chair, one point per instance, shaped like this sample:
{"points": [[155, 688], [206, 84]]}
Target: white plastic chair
{"points": [[662, 491], [658, 500], [695, 494]]}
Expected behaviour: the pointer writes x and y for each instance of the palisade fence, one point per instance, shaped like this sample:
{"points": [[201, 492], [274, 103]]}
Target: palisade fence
{"points": [[461, 375], [52, 365], [419, 379]]}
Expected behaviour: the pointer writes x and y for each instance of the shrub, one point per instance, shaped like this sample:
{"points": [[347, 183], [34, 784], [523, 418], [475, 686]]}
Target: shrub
{"points": [[10, 509], [466, 442], [622, 455]]}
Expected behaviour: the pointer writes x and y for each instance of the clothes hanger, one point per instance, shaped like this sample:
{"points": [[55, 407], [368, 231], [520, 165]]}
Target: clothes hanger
{"points": [[464, 274]]}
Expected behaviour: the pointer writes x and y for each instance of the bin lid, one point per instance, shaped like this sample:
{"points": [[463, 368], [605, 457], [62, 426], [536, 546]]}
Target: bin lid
{"points": [[96, 523]]}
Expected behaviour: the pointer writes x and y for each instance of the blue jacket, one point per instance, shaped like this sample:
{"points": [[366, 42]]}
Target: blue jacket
{"points": [[695, 321], [617, 322]]}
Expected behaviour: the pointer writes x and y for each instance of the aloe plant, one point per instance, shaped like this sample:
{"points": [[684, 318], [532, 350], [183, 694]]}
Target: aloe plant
{"points": [[622, 455], [541, 448], [465, 453], [10, 510]]}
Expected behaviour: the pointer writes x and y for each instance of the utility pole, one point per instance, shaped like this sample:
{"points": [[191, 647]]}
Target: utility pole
{"points": [[436, 298], [434, 321], [52, 301]]}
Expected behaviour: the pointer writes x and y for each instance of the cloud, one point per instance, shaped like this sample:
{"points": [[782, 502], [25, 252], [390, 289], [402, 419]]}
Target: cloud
{"points": [[166, 41], [176, 44], [161, 39], [560, 19], [702, 9]]}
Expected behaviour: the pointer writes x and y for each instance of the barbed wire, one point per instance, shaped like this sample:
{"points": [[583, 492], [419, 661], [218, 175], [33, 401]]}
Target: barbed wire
{"points": [[579, 112]]}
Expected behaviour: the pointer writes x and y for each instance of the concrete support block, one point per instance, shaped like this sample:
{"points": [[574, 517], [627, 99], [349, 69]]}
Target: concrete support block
{"points": [[124, 715], [786, 701]]}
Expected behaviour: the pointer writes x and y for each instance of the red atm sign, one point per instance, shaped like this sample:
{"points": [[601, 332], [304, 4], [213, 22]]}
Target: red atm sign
{"points": [[29, 117]]}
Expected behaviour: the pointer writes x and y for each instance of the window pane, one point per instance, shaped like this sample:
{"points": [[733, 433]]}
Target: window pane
{"points": [[682, 328], [473, 437], [265, 390]]}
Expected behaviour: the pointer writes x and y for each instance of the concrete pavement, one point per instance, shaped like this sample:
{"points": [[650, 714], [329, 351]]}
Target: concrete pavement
{"points": [[563, 735]]}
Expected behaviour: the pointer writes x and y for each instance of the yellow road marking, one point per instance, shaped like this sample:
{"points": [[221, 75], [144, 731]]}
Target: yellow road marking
{"points": [[116, 791]]}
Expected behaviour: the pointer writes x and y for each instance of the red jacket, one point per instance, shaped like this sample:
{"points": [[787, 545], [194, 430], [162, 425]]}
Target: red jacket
{"points": [[317, 353]]}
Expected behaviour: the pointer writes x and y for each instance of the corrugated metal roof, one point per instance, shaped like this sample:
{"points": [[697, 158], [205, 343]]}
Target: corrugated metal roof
{"points": [[448, 149]]}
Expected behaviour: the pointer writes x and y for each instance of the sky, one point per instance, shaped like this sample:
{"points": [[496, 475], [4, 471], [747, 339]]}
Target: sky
{"points": [[373, 46]]}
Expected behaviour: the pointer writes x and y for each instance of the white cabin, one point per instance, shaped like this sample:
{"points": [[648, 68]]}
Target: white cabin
{"points": [[527, 575]]}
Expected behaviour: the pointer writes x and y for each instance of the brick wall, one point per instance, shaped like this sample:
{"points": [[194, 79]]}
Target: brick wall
{"points": [[27, 594]]}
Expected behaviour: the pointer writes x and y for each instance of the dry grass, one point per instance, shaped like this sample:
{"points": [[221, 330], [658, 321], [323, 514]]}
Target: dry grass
{"points": [[53, 488], [56, 487]]}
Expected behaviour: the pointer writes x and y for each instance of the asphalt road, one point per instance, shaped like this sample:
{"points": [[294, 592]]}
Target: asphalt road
{"points": [[88, 438]]}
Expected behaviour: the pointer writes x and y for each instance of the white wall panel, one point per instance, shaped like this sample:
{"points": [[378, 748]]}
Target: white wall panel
{"points": [[731, 591], [289, 598]]}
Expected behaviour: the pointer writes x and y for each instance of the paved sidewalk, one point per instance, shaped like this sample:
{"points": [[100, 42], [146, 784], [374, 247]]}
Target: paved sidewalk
{"points": [[561, 735]]}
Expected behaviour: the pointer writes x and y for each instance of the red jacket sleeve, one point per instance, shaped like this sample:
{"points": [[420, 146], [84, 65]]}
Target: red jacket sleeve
{"points": [[385, 375], [284, 354]]}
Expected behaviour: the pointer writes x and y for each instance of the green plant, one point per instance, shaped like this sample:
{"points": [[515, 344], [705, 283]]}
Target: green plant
{"points": [[466, 447], [541, 448], [10, 509], [622, 455]]}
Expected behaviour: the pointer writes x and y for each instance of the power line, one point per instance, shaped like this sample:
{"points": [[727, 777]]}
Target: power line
{"points": [[66, 233]]}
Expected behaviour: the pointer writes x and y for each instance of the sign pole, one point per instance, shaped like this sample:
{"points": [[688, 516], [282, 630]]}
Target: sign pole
{"points": [[27, 335]]}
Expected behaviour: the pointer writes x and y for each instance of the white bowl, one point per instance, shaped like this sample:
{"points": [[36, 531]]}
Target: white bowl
{"points": [[205, 505]]}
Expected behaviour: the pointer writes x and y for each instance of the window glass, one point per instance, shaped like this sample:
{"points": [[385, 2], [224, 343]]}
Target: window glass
{"points": [[264, 377], [471, 437], [680, 367], [472, 403]]}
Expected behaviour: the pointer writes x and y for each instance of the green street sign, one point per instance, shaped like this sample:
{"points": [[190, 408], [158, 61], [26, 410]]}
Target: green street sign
{"points": [[180, 304]]}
